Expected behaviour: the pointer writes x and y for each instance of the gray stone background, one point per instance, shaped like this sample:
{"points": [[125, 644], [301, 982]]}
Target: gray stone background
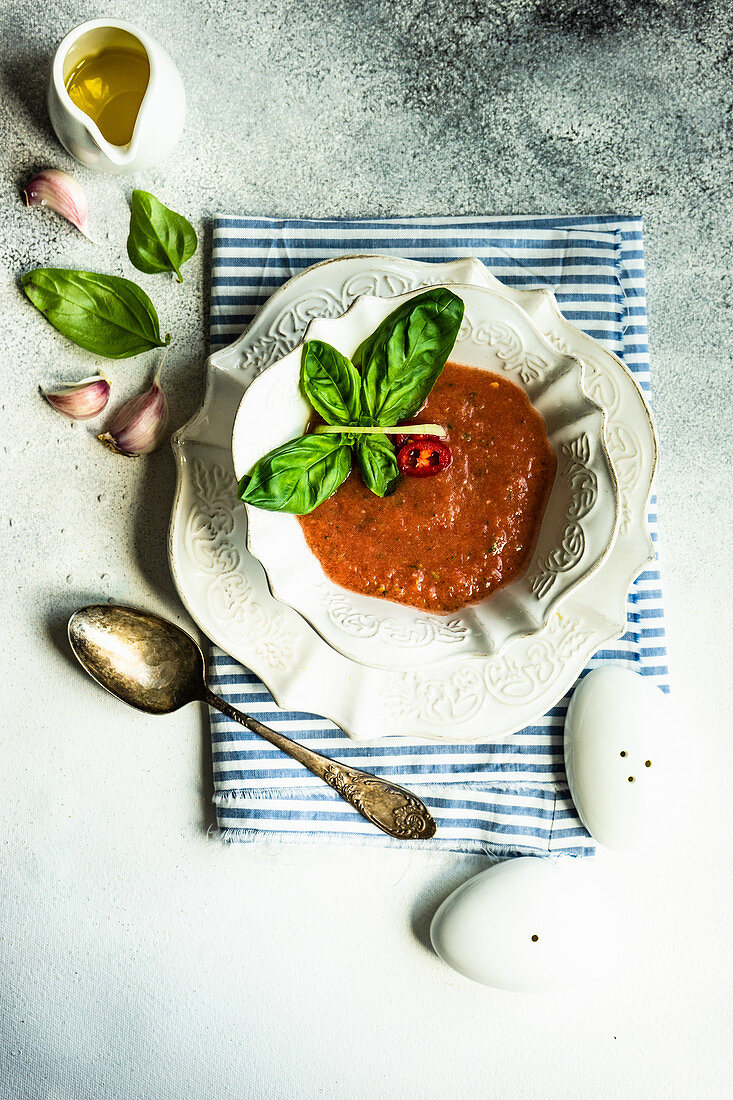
{"points": [[310, 108]]}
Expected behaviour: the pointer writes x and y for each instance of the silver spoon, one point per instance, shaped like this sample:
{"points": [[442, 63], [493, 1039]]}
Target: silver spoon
{"points": [[155, 666]]}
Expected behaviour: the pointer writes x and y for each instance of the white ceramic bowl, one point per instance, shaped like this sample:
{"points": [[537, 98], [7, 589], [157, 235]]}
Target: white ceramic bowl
{"points": [[578, 528]]}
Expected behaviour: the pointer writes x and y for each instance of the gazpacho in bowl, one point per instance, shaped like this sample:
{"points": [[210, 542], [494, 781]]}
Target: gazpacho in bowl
{"points": [[425, 476], [445, 541]]}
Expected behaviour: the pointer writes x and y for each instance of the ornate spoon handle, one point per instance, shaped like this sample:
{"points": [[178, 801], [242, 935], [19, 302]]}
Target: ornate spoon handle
{"points": [[389, 807]]}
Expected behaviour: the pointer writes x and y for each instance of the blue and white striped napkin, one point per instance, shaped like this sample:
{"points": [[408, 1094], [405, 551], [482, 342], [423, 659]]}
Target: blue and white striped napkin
{"points": [[502, 799]]}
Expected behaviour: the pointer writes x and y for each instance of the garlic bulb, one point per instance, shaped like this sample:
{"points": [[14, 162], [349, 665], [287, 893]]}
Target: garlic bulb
{"points": [[61, 192], [140, 425], [80, 400]]}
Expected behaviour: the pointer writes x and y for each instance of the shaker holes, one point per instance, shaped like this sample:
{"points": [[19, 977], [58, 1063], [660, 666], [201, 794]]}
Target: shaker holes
{"points": [[622, 753], [535, 939], [631, 779], [647, 763]]}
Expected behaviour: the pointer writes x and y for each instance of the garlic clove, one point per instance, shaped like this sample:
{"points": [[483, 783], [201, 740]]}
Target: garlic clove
{"points": [[80, 400], [140, 425], [61, 192]]}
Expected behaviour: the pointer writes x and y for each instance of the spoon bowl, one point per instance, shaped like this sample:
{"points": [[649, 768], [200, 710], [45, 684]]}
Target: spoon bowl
{"points": [[146, 661], [156, 667]]}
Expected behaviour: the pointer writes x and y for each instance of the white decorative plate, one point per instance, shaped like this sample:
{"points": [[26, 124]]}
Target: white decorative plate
{"points": [[225, 590], [578, 527]]}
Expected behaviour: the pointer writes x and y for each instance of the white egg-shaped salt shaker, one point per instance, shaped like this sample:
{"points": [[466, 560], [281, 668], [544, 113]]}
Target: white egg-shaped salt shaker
{"points": [[527, 924], [622, 757]]}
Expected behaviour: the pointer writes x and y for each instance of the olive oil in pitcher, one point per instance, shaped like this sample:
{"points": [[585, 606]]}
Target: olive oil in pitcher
{"points": [[109, 87]]}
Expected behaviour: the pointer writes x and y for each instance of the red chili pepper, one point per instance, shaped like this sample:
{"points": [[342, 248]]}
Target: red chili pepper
{"points": [[400, 440], [423, 457]]}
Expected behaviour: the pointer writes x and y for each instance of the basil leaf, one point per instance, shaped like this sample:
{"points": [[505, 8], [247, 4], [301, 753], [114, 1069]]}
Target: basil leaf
{"points": [[102, 313], [160, 239], [402, 360], [331, 383], [299, 475], [377, 463]]}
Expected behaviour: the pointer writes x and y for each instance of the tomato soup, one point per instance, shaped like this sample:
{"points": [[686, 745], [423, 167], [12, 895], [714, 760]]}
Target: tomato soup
{"points": [[443, 542]]}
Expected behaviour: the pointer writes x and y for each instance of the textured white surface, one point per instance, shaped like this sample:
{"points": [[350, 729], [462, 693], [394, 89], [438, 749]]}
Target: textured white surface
{"points": [[140, 960]]}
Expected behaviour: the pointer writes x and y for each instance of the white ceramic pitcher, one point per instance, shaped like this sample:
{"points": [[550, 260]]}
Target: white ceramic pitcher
{"points": [[162, 112]]}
